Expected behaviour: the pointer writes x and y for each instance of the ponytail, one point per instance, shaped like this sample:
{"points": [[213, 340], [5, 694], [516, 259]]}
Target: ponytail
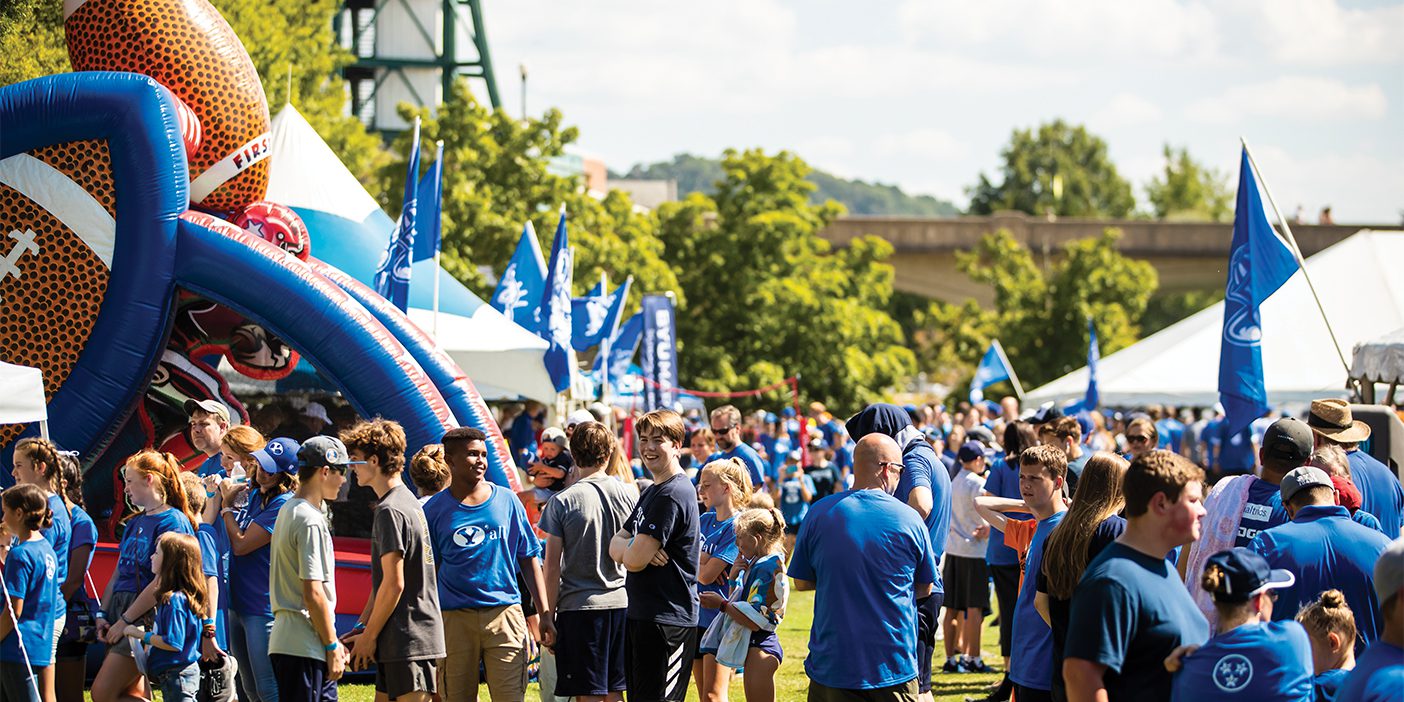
{"points": [[47, 462], [29, 501], [767, 526], [166, 468]]}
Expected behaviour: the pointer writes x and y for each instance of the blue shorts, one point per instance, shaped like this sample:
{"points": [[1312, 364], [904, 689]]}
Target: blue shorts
{"points": [[590, 652], [768, 642]]}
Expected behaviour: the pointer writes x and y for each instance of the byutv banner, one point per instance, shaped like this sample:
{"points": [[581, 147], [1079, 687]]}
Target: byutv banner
{"points": [[660, 352]]}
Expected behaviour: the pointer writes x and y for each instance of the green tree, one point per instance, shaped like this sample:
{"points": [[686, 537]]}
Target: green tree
{"points": [[497, 175], [767, 298], [283, 37], [1040, 315], [1188, 191], [1061, 169]]}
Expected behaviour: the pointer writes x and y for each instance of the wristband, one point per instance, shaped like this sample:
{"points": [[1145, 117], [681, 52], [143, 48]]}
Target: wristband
{"points": [[100, 615], [331, 646], [210, 622], [146, 640], [360, 626], [125, 620]]}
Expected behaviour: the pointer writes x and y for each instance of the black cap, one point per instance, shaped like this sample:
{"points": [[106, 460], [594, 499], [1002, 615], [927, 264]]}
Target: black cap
{"points": [[1247, 575], [1288, 439], [1046, 414]]}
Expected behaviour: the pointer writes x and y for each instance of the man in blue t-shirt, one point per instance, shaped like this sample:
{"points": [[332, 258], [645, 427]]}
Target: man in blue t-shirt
{"points": [[1003, 481], [925, 486], [209, 420], [481, 538], [1042, 470], [1379, 674], [659, 546], [1228, 452], [868, 557], [1169, 430], [726, 426], [1325, 548], [1380, 491], [1131, 608]]}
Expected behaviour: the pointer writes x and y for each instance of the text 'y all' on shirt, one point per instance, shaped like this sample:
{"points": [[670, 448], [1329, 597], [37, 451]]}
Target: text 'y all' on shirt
{"points": [[1031, 646], [477, 548], [1252, 662], [1128, 613], [666, 594], [865, 551]]}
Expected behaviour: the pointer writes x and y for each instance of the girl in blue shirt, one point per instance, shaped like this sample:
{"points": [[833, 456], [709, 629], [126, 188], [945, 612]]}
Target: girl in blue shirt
{"points": [[723, 485], [173, 643], [31, 590], [1252, 657], [1330, 625], [70, 662], [37, 462], [759, 604], [152, 484]]}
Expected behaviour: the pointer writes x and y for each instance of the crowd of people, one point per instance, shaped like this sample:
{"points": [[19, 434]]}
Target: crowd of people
{"points": [[1129, 556]]}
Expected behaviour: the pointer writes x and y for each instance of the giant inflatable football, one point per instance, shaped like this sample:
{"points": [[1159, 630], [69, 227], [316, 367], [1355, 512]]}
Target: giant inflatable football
{"points": [[136, 250]]}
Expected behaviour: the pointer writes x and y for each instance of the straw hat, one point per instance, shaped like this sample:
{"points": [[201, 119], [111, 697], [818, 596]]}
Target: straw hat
{"points": [[1332, 419]]}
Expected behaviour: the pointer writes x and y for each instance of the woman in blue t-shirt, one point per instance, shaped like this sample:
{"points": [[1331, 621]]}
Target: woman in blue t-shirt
{"points": [[273, 472], [724, 485], [1252, 657], [1330, 625], [31, 601], [37, 462], [152, 485], [173, 642], [70, 661]]}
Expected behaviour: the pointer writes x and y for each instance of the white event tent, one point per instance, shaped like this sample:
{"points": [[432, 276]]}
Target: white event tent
{"points": [[23, 400], [350, 231], [1363, 294]]}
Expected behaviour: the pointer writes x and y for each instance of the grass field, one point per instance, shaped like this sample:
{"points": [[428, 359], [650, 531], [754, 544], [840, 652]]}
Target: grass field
{"points": [[790, 682]]}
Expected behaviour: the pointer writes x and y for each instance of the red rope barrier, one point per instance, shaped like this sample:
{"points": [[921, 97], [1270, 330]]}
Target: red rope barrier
{"points": [[740, 393]]}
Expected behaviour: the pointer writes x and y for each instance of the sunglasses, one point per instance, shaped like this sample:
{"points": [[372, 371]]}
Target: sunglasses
{"points": [[1137, 439], [890, 465]]}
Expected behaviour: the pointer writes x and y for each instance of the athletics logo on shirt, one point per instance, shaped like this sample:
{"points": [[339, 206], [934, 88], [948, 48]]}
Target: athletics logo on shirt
{"points": [[472, 535], [1232, 673]]}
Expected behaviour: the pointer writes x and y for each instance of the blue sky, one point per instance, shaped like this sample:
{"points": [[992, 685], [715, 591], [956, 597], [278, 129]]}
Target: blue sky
{"points": [[925, 94]]}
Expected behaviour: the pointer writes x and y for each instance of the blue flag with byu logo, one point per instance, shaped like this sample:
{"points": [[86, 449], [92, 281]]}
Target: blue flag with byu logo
{"points": [[392, 276], [991, 370], [621, 351], [1259, 263], [596, 315], [555, 310], [1094, 354], [428, 221], [518, 293]]}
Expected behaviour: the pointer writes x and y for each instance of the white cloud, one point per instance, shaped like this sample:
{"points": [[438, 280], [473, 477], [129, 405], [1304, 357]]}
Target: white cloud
{"points": [[1292, 98], [1322, 32], [1124, 110], [1360, 188], [829, 153], [920, 144]]}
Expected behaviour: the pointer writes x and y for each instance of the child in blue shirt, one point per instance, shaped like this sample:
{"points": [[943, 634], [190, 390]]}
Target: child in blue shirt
{"points": [[1252, 657], [758, 605], [793, 494], [31, 594], [173, 656], [1330, 625]]}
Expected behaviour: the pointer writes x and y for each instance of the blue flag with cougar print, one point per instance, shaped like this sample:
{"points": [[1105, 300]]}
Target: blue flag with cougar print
{"points": [[392, 276], [555, 310], [1259, 263], [518, 293]]}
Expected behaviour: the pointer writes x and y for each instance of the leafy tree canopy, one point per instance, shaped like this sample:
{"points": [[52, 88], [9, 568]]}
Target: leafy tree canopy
{"points": [[1060, 169], [1188, 191], [767, 297]]}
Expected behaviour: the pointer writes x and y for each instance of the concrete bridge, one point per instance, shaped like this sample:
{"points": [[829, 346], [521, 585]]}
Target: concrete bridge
{"points": [[1186, 255]]}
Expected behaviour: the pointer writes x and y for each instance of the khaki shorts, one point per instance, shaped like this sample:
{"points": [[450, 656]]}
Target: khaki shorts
{"points": [[114, 607], [496, 636]]}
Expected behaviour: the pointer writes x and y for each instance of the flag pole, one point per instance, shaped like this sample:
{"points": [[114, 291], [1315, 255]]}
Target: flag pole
{"points": [[1013, 377], [1296, 252], [438, 245]]}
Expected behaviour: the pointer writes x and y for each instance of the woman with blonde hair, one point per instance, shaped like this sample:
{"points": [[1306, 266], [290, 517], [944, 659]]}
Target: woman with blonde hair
{"points": [[153, 486], [1330, 625], [1090, 525], [724, 486]]}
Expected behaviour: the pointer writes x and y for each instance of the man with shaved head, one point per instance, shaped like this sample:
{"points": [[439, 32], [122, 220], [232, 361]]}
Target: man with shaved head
{"points": [[868, 556]]}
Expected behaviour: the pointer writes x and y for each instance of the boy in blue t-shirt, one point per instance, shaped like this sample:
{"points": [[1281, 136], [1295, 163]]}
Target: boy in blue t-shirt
{"points": [[793, 495]]}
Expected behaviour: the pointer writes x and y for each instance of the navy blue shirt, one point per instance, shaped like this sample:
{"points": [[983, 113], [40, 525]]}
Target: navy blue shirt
{"points": [[666, 594], [1380, 492], [1262, 511], [1325, 549], [1128, 613], [139, 543], [477, 548], [1249, 663], [1003, 481], [179, 626], [865, 551]]}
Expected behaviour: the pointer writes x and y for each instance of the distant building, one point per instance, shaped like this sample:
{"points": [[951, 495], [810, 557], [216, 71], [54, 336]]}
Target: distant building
{"points": [[648, 194]]}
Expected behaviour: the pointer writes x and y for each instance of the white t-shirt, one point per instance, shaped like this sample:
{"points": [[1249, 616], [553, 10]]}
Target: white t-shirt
{"points": [[301, 550], [961, 540]]}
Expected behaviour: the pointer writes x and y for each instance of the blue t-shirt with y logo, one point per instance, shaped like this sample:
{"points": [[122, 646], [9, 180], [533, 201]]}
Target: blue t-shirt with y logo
{"points": [[477, 548], [718, 541], [31, 574], [1252, 662], [139, 543]]}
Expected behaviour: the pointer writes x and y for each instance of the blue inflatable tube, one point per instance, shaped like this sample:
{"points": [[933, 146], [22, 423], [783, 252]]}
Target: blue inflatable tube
{"points": [[136, 116], [324, 324], [458, 391]]}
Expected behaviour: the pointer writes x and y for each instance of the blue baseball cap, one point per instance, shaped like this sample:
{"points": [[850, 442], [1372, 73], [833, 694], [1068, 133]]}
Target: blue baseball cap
{"points": [[970, 451], [788, 412], [265, 461], [283, 451], [1247, 575]]}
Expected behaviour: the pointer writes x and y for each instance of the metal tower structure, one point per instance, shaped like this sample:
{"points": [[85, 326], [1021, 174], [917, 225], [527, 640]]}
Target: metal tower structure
{"points": [[411, 51]]}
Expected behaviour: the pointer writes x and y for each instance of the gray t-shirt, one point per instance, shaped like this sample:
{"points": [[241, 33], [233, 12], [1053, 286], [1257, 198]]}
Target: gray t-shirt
{"points": [[415, 628], [301, 550], [590, 579]]}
